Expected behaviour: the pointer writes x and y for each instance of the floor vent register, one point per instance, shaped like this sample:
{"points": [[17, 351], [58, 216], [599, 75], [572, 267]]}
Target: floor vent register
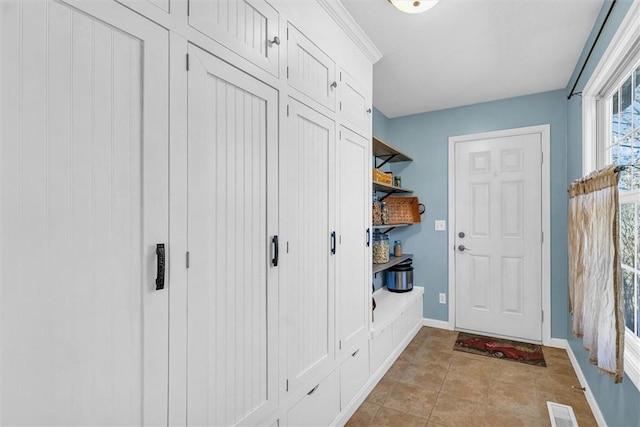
{"points": [[561, 415]]}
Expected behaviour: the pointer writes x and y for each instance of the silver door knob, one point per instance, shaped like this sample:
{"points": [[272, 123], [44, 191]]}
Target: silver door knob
{"points": [[276, 41], [462, 248]]}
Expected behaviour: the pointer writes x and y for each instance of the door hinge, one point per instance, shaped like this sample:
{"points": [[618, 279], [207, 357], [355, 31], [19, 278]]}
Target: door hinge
{"points": [[188, 258], [187, 62], [286, 387], [542, 237]]}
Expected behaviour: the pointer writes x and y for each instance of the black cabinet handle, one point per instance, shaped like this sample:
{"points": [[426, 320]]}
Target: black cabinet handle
{"points": [[274, 261], [313, 390], [368, 237], [160, 267], [333, 243]]}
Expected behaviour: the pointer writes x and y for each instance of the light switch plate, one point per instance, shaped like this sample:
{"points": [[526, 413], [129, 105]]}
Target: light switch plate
{"points": [[441, 225], [442, 298]]}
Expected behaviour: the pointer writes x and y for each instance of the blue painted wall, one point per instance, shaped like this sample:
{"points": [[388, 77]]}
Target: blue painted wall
{"points": [[619, 404], [425, 138]]}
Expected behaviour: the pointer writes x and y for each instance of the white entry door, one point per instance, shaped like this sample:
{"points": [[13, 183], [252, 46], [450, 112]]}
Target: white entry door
{"points": [[498, 236]]}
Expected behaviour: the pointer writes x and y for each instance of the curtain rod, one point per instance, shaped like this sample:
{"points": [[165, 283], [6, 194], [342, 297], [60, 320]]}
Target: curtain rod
{"points": [[586, 61]]}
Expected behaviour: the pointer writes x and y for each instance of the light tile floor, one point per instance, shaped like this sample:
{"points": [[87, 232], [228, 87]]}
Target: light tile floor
{"points": [[432, 385]]}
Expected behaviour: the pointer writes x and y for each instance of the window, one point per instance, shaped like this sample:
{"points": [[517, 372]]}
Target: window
{"points": [[611, 134], [623, 148]]}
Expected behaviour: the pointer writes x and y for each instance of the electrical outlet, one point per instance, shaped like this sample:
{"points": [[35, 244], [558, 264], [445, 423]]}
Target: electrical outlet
{"points": [[443, 298], [441, 225]]}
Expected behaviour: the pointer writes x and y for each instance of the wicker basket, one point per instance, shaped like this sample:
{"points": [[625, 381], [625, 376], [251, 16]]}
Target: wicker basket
{"points": [[382, 177], [404, 210]]}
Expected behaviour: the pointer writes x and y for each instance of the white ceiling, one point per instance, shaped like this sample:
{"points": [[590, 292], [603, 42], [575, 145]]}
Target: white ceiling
{"points": [[464, 52]]}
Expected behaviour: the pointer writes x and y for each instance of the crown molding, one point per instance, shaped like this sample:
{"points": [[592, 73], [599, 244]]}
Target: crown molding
{"points": [[343, 18]]}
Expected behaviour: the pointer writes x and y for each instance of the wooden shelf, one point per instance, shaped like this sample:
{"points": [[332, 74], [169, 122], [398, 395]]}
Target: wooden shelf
{"points": [[388, 153], [389, 227], [384, 188], [392, 261]]}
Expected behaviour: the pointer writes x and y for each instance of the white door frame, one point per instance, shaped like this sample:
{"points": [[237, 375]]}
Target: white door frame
{"points": [[545, 133]]}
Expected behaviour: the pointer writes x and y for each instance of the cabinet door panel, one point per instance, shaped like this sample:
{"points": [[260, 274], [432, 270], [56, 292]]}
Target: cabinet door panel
{"points": [[307, 221], [352, 266], [354, 106], [84, 200], [310, 70], [232, 213], [248, 27]]}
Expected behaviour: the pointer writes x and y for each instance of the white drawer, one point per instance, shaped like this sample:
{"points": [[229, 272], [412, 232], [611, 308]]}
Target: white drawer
{"points": [[354, 373], [400, 327], [381, 347], [415, 312], [320, 406]]}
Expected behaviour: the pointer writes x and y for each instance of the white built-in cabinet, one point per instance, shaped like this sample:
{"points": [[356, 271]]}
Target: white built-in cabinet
{"points": [[352, 302], [248, 27], [310, 70], [308, 240], [84, 200], [231, 283], [235, 133]]}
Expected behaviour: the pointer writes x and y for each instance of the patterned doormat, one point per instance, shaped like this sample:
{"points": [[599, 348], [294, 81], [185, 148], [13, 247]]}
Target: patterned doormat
{"points": [[500, 348]]}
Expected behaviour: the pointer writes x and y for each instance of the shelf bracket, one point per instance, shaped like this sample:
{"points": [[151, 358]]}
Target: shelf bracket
{"points": [[387, 160], [387, 230], [386, 194]]}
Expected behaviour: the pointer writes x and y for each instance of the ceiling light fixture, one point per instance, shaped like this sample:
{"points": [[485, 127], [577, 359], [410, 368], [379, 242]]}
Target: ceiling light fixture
{"points": [[413, 6]]}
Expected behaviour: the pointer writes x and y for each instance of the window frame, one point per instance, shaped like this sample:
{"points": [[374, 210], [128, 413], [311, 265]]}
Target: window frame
{"points": [[621, 57]]}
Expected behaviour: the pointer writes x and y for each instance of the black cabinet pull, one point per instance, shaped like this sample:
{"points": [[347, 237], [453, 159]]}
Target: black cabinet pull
{"points": [[160, 267], [333, 243], [368, 237], [276, 248], [313, 390]]}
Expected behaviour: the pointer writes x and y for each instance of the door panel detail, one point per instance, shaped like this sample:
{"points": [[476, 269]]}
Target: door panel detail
{"points": [[480, 204], [481, 290], [512, 200], [512, 285]]}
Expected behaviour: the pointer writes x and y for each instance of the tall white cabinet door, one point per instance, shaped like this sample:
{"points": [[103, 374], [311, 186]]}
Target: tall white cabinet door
{"points": [[353, 104], [232, 220], [310, 70], [353, 266], [307, 221], [83, 202], [248, 27]]}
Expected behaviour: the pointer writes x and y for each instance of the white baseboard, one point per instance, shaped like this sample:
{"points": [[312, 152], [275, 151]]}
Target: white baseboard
{"points": [[558, 343], [591, 400], [440, 324]]}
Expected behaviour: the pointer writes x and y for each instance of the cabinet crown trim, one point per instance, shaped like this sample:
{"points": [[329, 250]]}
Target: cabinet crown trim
{"points": [[343, 18]]}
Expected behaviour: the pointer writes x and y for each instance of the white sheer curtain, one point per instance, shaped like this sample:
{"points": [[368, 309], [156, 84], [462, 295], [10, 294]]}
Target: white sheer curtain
{"points": [[594, 269]]}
